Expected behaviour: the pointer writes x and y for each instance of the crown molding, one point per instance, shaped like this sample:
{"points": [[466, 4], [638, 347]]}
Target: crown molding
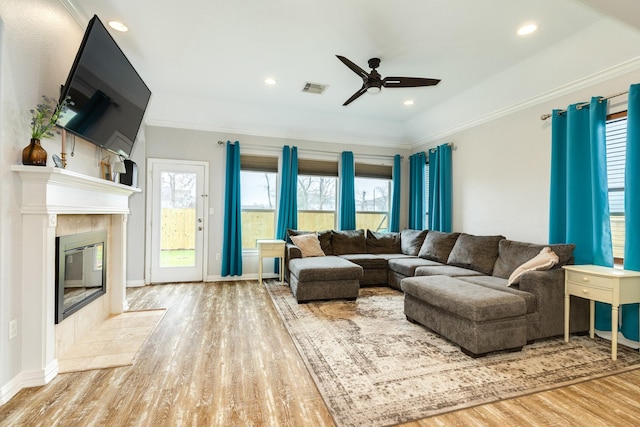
{"points": [[76, 12], [271, 133], [600, 77]]}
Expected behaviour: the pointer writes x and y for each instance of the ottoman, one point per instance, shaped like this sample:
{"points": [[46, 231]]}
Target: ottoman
{"points": [[477, 318], [324, 278]]}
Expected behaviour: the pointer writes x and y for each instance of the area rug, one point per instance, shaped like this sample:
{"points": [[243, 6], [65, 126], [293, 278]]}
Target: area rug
{"points": [[373, 367], [114, 342]]}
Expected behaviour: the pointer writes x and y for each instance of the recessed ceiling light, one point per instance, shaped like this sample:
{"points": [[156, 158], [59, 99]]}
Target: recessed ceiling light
{"points": [[526, 29], [408, 102], [118, 26], [270, 81]]}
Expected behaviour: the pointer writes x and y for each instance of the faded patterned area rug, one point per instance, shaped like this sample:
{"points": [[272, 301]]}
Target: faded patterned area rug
{"points": [[375, 368]]}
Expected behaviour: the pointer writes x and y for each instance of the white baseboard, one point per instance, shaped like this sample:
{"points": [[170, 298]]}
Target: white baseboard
{"points": [[135, 283], [28, 379], [621, 339], [252, 276], [10, 389]]}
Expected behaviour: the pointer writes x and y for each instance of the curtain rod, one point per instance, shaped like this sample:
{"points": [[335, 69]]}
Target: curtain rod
{"points": [[579, 106], [306, 150]]}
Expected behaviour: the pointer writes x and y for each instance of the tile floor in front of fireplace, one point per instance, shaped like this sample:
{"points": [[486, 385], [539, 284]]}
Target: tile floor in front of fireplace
{"points": [[114, 342]]}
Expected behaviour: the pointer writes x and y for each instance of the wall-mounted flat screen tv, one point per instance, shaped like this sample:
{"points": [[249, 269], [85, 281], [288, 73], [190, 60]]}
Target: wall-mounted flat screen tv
{"points": [[109, 97]]}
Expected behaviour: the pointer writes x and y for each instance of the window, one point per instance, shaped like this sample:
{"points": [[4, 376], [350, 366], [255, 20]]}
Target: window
{"points": [[317, 184], [258, 180], [616, 132], [373, 196]]}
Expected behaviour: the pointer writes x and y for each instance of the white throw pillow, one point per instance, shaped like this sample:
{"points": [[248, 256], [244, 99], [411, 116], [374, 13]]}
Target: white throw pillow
{"points": [[545, 260], [309, 244]]}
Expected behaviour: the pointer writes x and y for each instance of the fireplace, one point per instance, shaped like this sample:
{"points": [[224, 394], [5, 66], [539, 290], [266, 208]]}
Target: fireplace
{"points": [[81, 271], [50, 194]]}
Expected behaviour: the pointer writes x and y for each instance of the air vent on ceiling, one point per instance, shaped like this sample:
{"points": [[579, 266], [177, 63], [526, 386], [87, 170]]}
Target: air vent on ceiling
{"points": [[314, 88]]}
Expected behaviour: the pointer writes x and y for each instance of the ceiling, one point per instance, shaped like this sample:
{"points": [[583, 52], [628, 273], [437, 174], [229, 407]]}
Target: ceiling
{"points": [[207, 60]]}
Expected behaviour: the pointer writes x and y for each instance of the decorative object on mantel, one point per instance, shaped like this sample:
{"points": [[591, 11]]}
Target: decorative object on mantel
{"points": [[105, 169], [118, 168], [57, 161], [43, 119]]}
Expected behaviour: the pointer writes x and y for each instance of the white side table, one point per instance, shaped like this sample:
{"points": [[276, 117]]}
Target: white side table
{"points": [[271, 249], [605, 284]]}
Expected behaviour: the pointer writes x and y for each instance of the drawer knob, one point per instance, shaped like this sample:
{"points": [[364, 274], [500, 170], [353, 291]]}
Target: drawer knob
{"points": [[585, 279], [585, 291]]}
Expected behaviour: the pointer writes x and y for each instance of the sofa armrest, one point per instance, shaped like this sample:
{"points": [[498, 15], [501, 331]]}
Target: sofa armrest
{"points": [[291, 251], [548, 288]]}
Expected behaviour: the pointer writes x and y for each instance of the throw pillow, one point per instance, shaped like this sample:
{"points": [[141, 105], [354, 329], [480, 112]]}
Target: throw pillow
{"points": [[545, 260], [411, 241], [309, 245], [512, 254], [477, 253], [437, 246]]}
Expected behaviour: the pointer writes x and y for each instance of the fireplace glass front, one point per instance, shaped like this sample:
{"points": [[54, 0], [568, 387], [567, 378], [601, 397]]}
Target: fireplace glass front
{"points": [[81, 261]]}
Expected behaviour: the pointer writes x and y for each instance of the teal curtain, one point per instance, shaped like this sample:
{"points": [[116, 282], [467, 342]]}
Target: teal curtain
{"points": [[579, 204], [232, 233], [440, 184], [347, 213], [394, 216], [288, 197], [630, 312], [417, 203]]}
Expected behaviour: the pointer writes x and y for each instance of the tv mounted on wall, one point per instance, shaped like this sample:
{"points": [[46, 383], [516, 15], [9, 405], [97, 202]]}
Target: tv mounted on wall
{"points": [[109, 96]]}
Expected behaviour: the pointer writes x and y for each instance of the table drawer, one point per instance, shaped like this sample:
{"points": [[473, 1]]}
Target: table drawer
{"points": [[597, 294], [271, 249], [589, 280]]}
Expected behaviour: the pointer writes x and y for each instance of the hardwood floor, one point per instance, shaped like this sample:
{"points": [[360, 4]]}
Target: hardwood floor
{"points": [[222, 357]]}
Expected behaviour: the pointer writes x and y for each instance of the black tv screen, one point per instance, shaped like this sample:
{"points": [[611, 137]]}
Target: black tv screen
{"points": [[109, 97]]}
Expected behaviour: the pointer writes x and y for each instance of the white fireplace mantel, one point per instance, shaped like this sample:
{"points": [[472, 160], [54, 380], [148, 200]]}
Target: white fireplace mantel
{"points": [[46, 193]]}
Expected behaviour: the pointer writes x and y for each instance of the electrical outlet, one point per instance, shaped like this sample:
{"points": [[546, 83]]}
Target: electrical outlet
{"points": [[217, 257], [13, 329]]}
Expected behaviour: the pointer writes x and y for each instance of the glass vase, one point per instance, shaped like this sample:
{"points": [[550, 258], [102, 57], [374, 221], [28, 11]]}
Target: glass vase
{"points": [[33, 154]]}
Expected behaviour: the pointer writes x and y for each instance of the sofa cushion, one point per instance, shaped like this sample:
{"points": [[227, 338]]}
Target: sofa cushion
{"points": [[407, 266], [475, 252], [395, 256], [545, 260], [324, 268], [411, 241], [348, 242], [437, 246], [512, 254], [309, 244], [463, 299], [500, 284], [366, 261], [445, 270], [383, 243]]}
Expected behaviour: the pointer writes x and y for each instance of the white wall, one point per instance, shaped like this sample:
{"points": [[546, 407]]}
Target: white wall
{"points": [[184, 144], [38, 42], [501, 169]]}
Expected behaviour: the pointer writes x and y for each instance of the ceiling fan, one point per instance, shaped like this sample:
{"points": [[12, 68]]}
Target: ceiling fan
{"points": [[373, 81]]}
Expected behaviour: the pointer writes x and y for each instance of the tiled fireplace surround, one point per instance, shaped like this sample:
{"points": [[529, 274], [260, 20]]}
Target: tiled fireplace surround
{"points": [[56, 202]]}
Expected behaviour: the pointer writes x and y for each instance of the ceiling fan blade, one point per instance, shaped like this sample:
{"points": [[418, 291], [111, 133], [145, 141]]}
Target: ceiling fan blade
{"points": [[355, 96], [359, 71], [408, 82]]}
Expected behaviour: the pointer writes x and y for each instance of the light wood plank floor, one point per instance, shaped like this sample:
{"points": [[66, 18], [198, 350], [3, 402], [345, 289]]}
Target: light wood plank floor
{"points": [[221, 357]]}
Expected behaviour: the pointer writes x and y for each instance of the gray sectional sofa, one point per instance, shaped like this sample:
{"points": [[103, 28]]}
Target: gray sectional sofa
{"points": [[454, 283]]}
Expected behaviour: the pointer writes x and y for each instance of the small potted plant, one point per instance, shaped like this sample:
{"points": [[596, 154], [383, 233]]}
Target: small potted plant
{"points": [[43, 119]]}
